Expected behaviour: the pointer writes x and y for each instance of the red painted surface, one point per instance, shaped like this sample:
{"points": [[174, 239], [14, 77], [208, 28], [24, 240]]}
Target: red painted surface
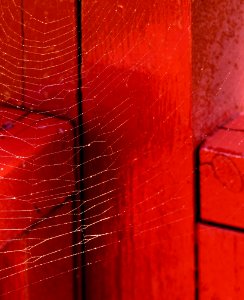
{"points": [[11, 52], [50, 56], [221, 171], [138, 77], [218, 62], [36, 175], [30, 184], [221, 264], [39, 72], [217, 86], [138, 156], [39, 264]]}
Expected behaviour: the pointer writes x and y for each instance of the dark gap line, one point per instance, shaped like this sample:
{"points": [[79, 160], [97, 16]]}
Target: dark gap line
{"points": [[231, 129], [80, 141], [27, 230], [197, 184], [27, 111], [51, 115], [197, 214], [221, 226]]}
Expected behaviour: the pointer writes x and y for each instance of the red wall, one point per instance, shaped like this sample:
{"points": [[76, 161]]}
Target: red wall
{"points": [[218, 63]]}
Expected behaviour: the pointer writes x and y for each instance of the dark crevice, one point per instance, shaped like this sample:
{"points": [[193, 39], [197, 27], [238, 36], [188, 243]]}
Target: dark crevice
{"points": [[221, 226], [197, 184], [231, 129], [197, 218], [80, 142]]}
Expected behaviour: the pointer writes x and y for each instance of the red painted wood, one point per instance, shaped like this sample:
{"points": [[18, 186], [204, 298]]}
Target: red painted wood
{"points": [[138, 136], [39, 265], [30, 184], [11, 52], [217, 81], [218, 61], [221, 171], [51, 56], [138, 155], [221, 264], [45, 177], [9, 116]]}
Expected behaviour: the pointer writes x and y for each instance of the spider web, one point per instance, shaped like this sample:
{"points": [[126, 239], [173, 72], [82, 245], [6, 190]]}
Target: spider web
{"points": [[42, 216], [40, 182], [94, 196], [121, 171]]}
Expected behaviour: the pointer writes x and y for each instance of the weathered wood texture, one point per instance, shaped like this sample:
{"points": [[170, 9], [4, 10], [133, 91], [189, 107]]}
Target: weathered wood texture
{"points": [[217, 63]]}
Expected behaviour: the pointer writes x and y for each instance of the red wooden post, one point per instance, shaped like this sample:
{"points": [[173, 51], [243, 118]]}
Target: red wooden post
{"points": [[139, 154]]}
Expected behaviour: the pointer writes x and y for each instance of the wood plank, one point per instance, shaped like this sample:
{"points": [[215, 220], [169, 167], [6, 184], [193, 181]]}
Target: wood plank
{"points": [[221, 175], [51, 57], [221, 264], [39, 265], [218, 61], [11, 81], [138, 156]]}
